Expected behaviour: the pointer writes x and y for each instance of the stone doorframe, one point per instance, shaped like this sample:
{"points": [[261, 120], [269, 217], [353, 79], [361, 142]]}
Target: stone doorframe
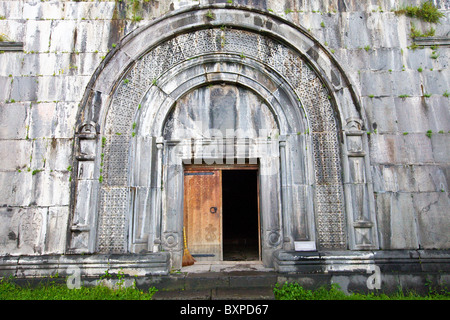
{"points": [[119, 130]]}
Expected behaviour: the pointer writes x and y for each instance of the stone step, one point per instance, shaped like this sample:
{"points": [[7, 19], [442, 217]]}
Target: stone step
{"points": [[261, 293], [248, 285], [210, 280]]}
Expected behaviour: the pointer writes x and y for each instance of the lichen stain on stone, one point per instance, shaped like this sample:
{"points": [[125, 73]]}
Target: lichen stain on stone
{"points": [[390, 148], [12, 236], [117, 24], [54, 144]]}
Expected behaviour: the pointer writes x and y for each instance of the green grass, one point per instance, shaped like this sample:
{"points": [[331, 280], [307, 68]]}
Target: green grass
{"points": [[57, 291], [293, 291]]}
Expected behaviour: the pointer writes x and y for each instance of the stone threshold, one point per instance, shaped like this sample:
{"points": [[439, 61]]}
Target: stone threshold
{"points": [[225, 266]]}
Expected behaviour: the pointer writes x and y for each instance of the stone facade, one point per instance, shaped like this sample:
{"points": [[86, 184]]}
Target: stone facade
{"points": [[90, 160]]}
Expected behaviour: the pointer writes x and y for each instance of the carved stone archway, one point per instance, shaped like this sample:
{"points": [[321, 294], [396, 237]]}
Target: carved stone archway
{"points": [[324, 181]]}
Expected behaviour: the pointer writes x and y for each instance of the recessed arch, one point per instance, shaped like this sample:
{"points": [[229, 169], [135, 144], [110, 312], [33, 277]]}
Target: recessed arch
{"points": [[223, 69], [136, 86], [233, 105]]}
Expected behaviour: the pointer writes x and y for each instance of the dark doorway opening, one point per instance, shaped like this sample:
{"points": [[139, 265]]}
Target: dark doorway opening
{"points": [[240, 215]]}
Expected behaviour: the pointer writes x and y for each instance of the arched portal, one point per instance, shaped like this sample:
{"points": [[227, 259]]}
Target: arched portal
{"points": [[314, 179]]}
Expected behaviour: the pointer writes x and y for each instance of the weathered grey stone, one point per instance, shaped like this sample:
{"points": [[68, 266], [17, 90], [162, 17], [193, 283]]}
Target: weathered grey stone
{"points": [[15, 154], [14, 120], [55, 151], [384, 179], [38, 36], [376, 83], [432, 221], [13, 10], [91, 11], [409, 178], [86, 64], [82, 218], [63, 34], [439, 113], [381, 114], [407, 149], [397, 221], [419, 58], [92, 36], [384, 59], [8, 237], [357, 33], [5, 82], [10, 67], [405, 83], [51, 188], [68, 88], [412, 114], [43, 10], [435, 82], [417, 149], [25, 89], [55, 242], [17, 186], [30, 226], [66, 113], [42, 120], [440, 147]]}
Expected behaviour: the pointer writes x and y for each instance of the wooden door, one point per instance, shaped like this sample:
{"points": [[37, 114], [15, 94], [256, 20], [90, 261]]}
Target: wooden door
{"points": [[203, 214]]}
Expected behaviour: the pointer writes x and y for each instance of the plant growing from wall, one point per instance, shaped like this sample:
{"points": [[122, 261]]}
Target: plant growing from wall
{"points": [[135, 9], [415, 33], [100, 178], [418, 34], [210, 15], [434, 55], [4, 38], [426, 12]]}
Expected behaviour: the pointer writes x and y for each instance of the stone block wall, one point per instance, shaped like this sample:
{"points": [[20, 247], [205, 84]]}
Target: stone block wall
{"points": [[403, 91]]}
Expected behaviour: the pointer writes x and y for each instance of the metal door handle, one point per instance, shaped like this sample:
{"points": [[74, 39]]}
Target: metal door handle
{"points": [[213, 210]]}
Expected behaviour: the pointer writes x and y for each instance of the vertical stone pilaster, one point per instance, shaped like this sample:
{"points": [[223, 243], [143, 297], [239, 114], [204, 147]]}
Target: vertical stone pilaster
{"points": [[358, 189]]}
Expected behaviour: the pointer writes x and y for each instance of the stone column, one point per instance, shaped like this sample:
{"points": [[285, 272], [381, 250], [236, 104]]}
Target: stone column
{"points": [[358, 189], [154, 239], [83, 224], [288, 241]]}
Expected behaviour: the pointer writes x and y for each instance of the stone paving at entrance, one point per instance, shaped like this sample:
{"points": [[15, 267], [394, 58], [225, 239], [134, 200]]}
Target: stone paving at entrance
{"points": [[221, 280], [225, 266]]}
